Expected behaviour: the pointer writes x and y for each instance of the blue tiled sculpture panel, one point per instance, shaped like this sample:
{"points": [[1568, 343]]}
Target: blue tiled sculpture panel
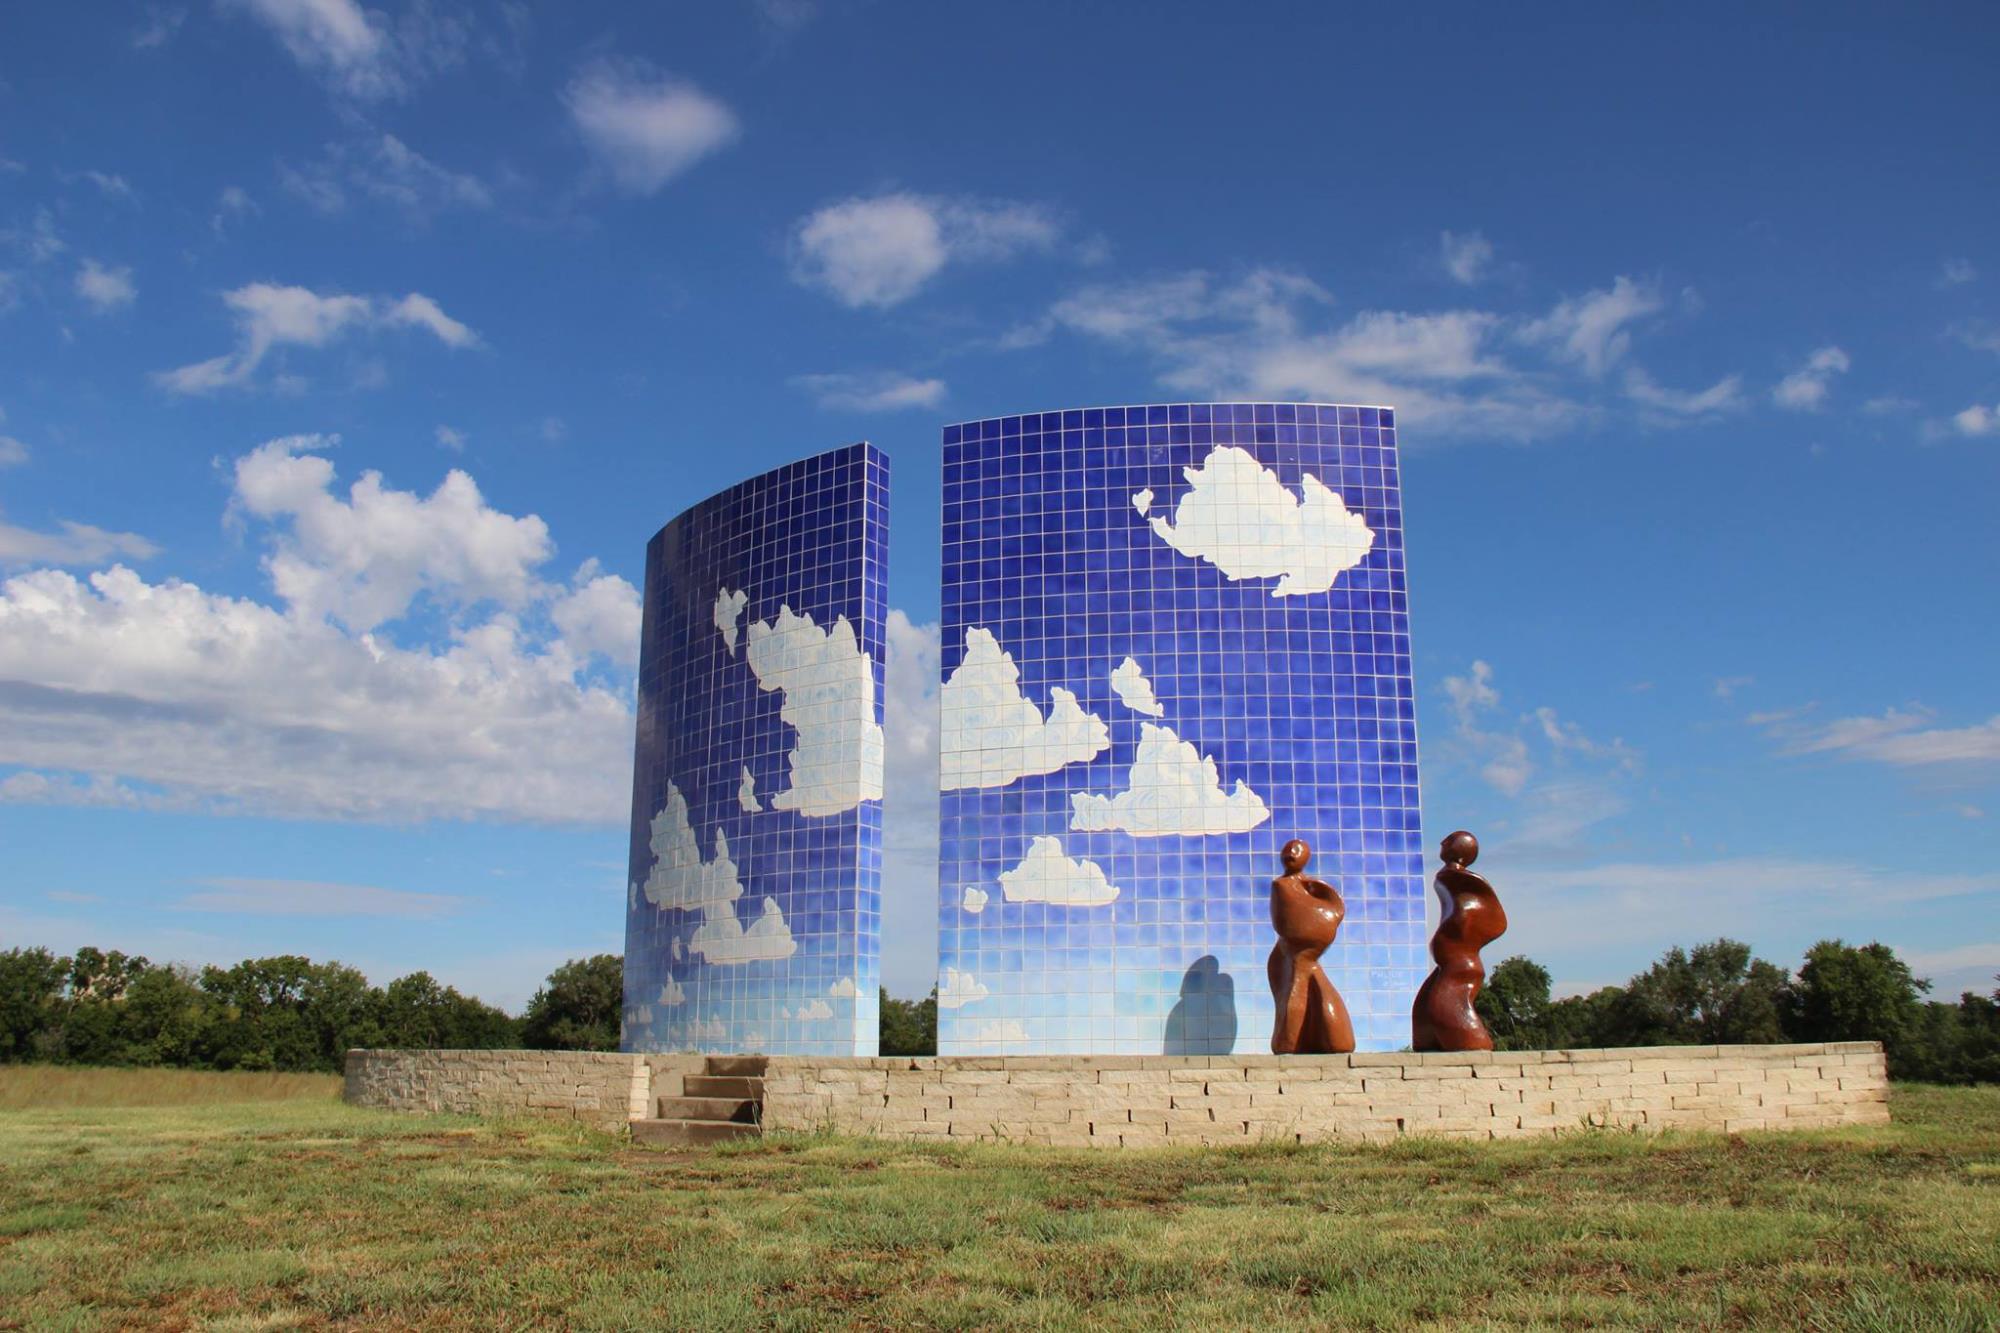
{"points": [[754, 908], [1175, 637]]}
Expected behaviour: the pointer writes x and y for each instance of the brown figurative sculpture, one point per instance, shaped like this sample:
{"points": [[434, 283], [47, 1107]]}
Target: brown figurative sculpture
{"points": [[1306, 913], [1444, 1018]]}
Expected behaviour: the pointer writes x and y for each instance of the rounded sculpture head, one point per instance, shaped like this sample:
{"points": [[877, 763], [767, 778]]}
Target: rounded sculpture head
{"points": [[1296, 853], [1459, 849]]}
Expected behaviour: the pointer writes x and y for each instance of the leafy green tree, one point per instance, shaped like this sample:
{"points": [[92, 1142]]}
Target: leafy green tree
{"points": [[908, 1027], [32, 985], [1514, 1004], [87, 1022], [1865, 994], [578, 1008], [286, 1013], [416, 1012], [1717, 993], [163, 1017]]}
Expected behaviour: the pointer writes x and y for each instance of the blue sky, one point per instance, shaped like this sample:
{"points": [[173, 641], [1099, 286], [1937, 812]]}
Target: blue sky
{"points": [[1692, 319]]}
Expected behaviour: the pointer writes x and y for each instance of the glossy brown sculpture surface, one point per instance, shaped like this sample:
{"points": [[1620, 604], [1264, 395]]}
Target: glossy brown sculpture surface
{"points": [[1306, 913], [1445, 1018]]}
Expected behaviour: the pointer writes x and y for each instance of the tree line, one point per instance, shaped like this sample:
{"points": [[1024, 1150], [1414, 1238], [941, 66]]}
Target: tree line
{"points": [[286, 1013], [290, 1013], [1722, 993]]}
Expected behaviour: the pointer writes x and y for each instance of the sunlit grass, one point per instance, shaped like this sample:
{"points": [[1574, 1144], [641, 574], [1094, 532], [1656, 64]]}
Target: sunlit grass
{"points": [[309, 1213]]}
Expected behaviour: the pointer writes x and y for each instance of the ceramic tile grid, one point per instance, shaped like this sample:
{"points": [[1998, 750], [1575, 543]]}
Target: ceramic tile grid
{"points": [[1175, 636], [754, 908]]}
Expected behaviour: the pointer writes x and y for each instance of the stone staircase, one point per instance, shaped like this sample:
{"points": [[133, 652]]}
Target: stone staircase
{"points": [[724, 1101]]}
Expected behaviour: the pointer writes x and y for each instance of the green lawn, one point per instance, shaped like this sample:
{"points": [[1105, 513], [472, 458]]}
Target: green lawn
{"points": [[307, 1213]]}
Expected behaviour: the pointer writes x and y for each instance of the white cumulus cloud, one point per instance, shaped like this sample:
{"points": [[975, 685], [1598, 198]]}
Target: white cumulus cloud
{"points": [[843, 989], [1805, 389], [746, 794], [887, 392], [974, 899], [270, 316], [813, 1010], [1240, 518], [374, 167], [1128, 678], [1465, 257], [362, 53], [992, 735], [105, 289], [1172, 790], [1978, 419], [1594, 330], [311, 707], [671, 993], [1045, 875], [364, 558], [644, 127], [828, 685], [881, 251], [72, 544], [957, 989]]}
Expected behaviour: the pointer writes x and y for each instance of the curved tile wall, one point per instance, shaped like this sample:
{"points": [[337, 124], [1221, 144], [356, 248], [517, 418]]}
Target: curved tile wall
{"points": [[754, 903], [1175, 636]]}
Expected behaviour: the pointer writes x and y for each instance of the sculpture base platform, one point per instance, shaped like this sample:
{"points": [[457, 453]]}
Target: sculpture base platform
{"points": [[1150, 1101]]}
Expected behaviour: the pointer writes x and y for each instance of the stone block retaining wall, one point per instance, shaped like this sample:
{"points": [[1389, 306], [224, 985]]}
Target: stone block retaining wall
{"points": [[1133, 1101], [600, 1089]]}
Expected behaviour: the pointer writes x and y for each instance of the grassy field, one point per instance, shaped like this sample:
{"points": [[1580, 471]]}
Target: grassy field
{"points": [[307, 1213], [46, 1087]]}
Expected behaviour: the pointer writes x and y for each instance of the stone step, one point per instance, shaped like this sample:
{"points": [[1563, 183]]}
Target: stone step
{"points": [[735, 1066], [708, 1108], [717, 1085], [667, 1133]]}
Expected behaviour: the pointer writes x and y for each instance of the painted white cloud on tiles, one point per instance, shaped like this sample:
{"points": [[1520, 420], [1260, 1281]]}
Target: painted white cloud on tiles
{"points": [[993, 735], [671, 993], [843, 989], [1143, 501], [728, 612], [1001, 1032], [746, 794], [1173, 790], [956, 989], [680, 880], [1240, 518], [676, 949], [1045, 875], [974, 899], [1134, 690], [721, 938], [828, 685], [814, 1009]]}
